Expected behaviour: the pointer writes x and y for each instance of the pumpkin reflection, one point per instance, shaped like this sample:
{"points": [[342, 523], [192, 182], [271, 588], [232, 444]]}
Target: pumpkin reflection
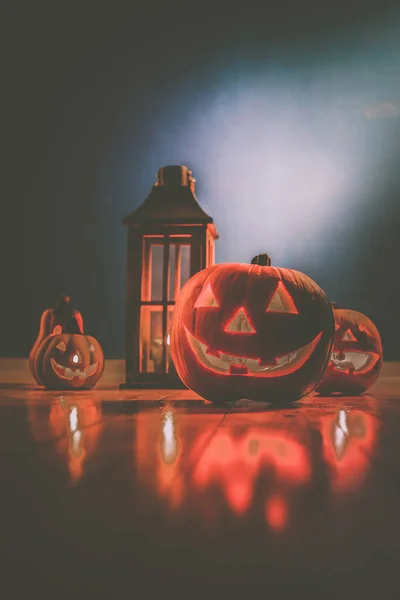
{"points": [[349, 438], [80, 423], [276, 512], [237, 462], [256, 463]]}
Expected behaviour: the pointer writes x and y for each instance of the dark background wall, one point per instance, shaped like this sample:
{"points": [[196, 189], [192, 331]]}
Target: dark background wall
{"points": [[287, 112]]}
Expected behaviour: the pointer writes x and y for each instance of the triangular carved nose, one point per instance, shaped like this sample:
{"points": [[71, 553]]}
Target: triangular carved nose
{"points": [[240, 323], [348, 336]]}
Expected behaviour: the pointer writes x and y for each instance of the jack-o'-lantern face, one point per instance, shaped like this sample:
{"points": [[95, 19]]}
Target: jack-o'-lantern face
{"points": [[356, 359], [251, 331], [69, 361]]}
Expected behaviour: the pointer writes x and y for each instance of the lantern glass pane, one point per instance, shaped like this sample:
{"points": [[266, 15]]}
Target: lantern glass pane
{"points": [[174, 257], [156, 271], [179, 269], [185, 265], [151, 342]]}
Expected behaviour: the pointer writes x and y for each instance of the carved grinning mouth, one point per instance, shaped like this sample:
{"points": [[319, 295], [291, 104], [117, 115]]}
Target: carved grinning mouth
{"points": [[228, 364], [67, 373], [354, 362]]}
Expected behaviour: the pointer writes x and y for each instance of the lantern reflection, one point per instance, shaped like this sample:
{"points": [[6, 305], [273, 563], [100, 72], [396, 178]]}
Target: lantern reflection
{"points": [[169, 480], [157, 451], [349, 439], [79, 424], [169, 443]]}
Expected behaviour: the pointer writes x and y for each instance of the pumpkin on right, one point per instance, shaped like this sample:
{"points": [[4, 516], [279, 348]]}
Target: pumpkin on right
{"points": [[356, 358]]}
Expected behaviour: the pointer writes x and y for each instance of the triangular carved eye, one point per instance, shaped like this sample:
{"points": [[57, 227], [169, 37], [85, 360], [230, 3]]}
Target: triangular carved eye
{"points": [[240, 323], [348, 336], [206, 298], [61, 346], [282, 301]]}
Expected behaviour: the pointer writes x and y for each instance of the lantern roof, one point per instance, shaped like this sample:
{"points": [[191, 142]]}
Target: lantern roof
{"points": [[171, 200]]}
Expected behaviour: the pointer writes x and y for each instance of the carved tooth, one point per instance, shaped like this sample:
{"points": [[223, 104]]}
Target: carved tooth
{"points": [[217, 363], [210, 352], [68, 373], [90, 370], [252, 364]]}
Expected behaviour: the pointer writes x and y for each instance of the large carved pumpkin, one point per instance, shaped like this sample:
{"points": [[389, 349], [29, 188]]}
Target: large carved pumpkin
{"points": [[60, 319], [356, 358], [68, 362], [251, 331]]}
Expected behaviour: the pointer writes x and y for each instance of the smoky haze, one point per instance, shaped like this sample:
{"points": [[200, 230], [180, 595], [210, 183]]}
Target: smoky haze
{"points": [[290, 123]]}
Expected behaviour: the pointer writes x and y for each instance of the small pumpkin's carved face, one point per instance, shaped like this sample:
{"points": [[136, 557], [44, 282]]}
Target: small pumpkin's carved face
{"points": [[248, 331], [356, 359], [69, 361]]}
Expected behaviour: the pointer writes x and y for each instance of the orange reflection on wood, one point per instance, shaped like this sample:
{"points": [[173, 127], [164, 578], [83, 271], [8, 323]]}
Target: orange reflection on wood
{"points": [[236, 463], [276, 512], [80, 423], [169, 480], [157, 451], [349, 439]]}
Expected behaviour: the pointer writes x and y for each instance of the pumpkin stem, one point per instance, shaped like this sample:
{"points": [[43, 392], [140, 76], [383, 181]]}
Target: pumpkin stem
{"points": [[69, 319], [261, 259]]}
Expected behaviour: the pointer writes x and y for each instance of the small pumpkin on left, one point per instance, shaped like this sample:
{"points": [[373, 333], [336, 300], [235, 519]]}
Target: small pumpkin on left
{"points": [[63, 318], [63, 357], [68, 361]]}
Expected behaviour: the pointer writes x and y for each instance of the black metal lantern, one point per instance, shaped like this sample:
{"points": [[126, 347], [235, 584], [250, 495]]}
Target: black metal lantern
{"points": [[170, 238]]}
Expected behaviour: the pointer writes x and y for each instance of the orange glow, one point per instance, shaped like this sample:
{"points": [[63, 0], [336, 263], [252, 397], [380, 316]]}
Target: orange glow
{"points": [[76, 455], [241, 368], [365, 329], [348, 336], [158, 451], [236, 463], [206, 298], [349, 439], [373, 359], [76, 429], [239, 496], [282, 301], [276, 512], [239, 319], [83, 436]]}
